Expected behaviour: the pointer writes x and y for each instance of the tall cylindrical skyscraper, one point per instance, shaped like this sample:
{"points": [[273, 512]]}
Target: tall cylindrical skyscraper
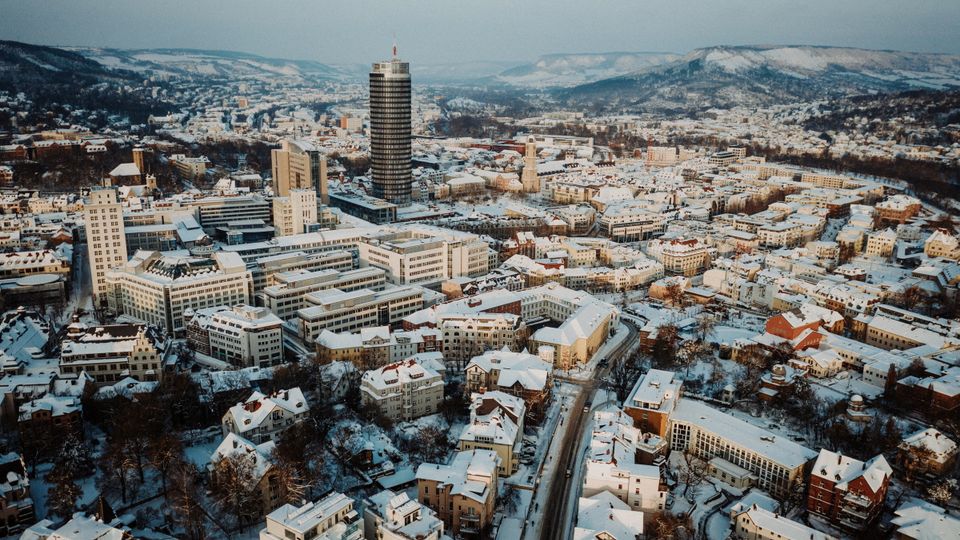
{"points": [[390, 130]]}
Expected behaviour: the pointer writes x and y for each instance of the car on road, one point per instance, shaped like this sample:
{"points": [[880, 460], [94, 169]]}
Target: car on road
{"points": [[603, 363], [569, 473]]}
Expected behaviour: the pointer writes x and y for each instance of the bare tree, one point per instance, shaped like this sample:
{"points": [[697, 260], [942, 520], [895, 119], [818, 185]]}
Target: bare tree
{"points": [[118, 464], [233, 484], [186, 503], [165, 452], [623, 375], [691, 472]]}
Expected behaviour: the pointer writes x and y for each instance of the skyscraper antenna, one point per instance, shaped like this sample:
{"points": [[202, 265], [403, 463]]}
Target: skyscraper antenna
{"points": [[394, 44]]}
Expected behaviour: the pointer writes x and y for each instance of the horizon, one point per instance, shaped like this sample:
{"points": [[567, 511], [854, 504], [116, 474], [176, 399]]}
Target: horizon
{"points": [[431, 32]]}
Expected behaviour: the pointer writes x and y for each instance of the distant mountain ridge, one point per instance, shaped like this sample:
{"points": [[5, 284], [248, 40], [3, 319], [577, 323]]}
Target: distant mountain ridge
{"points": [[561, 70], [726, 76]]}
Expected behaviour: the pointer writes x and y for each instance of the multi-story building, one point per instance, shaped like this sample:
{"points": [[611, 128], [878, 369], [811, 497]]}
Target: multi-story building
{"points": [[395, 516], [25, 263], [516, 373], [848, 492], [496, 423], [895, 328], [775, 463], [288, 293], [109, 353], [299, 165], [463, 493], [331, 518], [340, 311], [418, 256], [897, 209], [758, 523], [612, 465], [466, 336], [264, 476], [881, 243], [193, 168], [375, 347], [263, 418], [687, 257], [265, 270], [221, 211], [106, 243], [390, 130], [652, 400], [242, 335], [402, 391], [579, 336], [942, 244], [295, 213], [158, 289], [57, 415], [16, 504], [928, 450]]}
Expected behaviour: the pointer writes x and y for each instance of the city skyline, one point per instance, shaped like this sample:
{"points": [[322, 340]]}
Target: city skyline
{"points": [[359, 33]]}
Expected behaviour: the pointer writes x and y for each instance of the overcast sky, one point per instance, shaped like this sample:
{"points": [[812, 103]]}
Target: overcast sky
{"points": [[434, 31]]}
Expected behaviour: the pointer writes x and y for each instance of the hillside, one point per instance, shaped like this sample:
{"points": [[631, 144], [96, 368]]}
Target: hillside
{"points": [[562, 70], [766, 75]]}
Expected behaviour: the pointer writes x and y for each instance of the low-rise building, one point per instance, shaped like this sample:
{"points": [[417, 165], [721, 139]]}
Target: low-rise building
{"points": [[331, 518], [519, 374], [263, 418], [16, 504], [917, 519], [258, 459], [927, 451], [395, 516], [605, 517], [758, 523]]}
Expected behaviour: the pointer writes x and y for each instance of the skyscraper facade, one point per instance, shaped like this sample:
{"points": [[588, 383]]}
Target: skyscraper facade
{"points": [[106, 243], [390, 130]]}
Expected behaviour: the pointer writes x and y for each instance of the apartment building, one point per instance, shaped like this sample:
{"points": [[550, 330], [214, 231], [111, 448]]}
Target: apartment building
{"points": [[519, 374], [496, 423], [652, 400], [342, 311], [462, 493], [404, 390], [686, 257], [894, 328], [465, 336], [612, 465], [112, 352], [627, 223], [289, 292], [263, 418], [16, 505], [579, 336], [881, 243], [942, 244], [395, 516], [106, 242], [193, 168], [60, 416], [299, 165], [929, 451], [221, 211], [331, 518], [158, 289], [17, 264], [241, 335], [897, 209], [847, 492], [375, 347], [264, 476]]}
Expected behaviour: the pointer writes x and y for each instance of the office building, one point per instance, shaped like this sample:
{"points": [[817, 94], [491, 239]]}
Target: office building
{"points": [[390, 130], [106, 243], [242, 335], [295, 212], [299, 165]]}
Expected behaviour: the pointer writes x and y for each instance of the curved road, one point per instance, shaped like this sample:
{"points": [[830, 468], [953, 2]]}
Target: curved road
{"points": [[556, 508]]}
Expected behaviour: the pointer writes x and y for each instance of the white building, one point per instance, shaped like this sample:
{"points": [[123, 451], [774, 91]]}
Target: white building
{"points": [[424, 255], [496, 423], [605, 517], [395, 516], [295, 213], [242, 335], [263, 418], [331, 518], [288, 293], [340, 311], [404, 390], [158, 289], [106, 242], [612, 467]]}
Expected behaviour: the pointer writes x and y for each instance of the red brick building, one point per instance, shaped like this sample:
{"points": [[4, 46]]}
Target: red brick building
{"points": [[848, 492]]}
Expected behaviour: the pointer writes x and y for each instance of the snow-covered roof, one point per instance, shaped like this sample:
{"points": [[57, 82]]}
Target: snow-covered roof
{"points": [[842, 470], [604, 513], [258, 407], [468, 474], [922, 520]]}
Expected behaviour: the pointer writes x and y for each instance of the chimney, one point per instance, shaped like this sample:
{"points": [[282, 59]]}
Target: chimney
{"points": [[839, 459]]}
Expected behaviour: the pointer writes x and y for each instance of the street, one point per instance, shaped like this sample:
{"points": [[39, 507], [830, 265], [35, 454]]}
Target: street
{"points": [[556, 509]]}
